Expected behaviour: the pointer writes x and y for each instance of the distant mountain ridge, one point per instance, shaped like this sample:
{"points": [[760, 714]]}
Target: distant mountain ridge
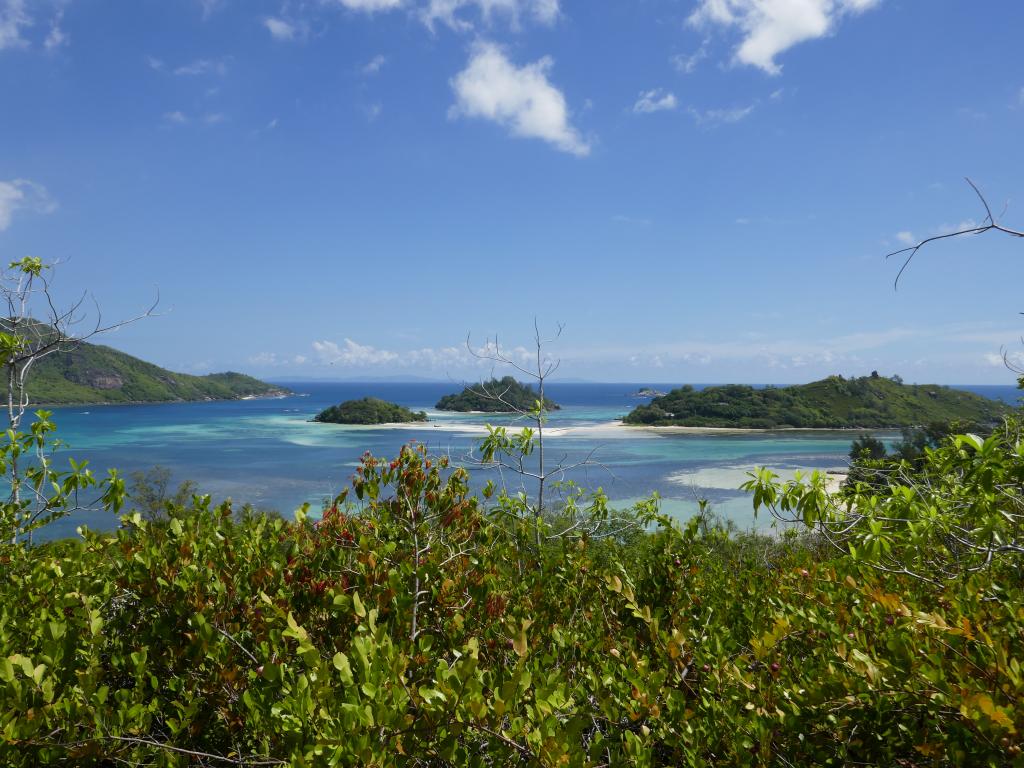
{"points": [[96, 374], [832, 403]]}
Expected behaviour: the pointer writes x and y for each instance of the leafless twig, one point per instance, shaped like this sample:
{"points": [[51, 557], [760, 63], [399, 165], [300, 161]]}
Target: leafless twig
{"points": [[989, 224]]}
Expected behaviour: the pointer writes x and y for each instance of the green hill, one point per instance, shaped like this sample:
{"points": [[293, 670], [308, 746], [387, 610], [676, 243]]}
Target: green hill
{"points": [[835, 402], [368, 410], [495, 396], [98, 374]]}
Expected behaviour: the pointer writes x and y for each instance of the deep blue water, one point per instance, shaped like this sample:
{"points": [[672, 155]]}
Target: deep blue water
{"points": [[268, 453]]}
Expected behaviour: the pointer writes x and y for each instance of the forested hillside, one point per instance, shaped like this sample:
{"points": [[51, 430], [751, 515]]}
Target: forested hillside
{"points": [[93, 373], [835, 402]]}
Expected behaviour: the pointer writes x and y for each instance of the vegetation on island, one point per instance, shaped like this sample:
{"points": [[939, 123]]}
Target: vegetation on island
{"points": [[505, 395], [93, 373], [835, 403], [368, 410]]}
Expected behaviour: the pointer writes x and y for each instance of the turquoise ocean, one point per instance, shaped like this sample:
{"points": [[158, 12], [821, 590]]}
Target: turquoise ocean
{"points": [[268, 453]]}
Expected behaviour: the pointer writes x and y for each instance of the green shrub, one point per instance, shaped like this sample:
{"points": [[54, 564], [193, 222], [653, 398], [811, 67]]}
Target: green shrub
{"points": [[412, 625]]}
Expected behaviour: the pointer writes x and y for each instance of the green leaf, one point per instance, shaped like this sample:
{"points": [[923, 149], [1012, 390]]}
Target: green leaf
{"points": [[294, 630], [431, 694], [341, 664], [519, 644]]}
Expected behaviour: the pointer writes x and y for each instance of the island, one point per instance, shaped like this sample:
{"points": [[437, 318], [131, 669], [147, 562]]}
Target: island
{"points": [[646, 392], [833, 403], [504, 395], [368, 410], [93, 374]]}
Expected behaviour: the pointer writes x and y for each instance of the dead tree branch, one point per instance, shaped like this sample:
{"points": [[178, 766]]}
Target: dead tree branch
{"points": [[989, 224]]}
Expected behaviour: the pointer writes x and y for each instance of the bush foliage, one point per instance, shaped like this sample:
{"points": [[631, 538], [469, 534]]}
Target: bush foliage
{"points": [[416, 624]]}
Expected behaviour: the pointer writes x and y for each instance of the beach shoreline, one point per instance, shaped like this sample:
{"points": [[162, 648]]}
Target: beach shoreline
{"points": [[607, 429]]}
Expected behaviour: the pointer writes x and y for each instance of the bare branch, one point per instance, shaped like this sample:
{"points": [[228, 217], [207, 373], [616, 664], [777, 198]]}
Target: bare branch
{"points": [[248, 761], [992, 224]]}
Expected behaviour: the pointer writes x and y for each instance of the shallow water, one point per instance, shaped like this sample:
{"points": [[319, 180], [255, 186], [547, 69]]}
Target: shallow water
{"points": [[268, 452]]}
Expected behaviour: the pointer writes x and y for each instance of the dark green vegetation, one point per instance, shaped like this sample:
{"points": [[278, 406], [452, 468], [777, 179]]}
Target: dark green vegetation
{"points": [[867, 447], [419, 626], [149, 492], [871, 462], [835, 402], [504, 395], [93, 373], [369, 410]]}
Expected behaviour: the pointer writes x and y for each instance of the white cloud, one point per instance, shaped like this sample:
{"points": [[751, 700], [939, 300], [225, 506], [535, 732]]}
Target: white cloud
{"points": [[263, 358], [371, 6], [519, 98], [687, 64], [56, 37], [352, 354], [13, 19], [273, 360], [770, 27], [374, 65], [209, 6], [1015, 360], [905, 238], [155, 63], [971, 113], [447, 11], [355, 355], [854, 353], [373, 111], [545, 11], [709, 117], [180, 118], [963, 226], [280, 29], [655, 100], [22, 194], [203, 67]]}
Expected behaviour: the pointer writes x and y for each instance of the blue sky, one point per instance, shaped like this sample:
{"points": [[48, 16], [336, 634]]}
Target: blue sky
{"points": [[700, 190]]}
